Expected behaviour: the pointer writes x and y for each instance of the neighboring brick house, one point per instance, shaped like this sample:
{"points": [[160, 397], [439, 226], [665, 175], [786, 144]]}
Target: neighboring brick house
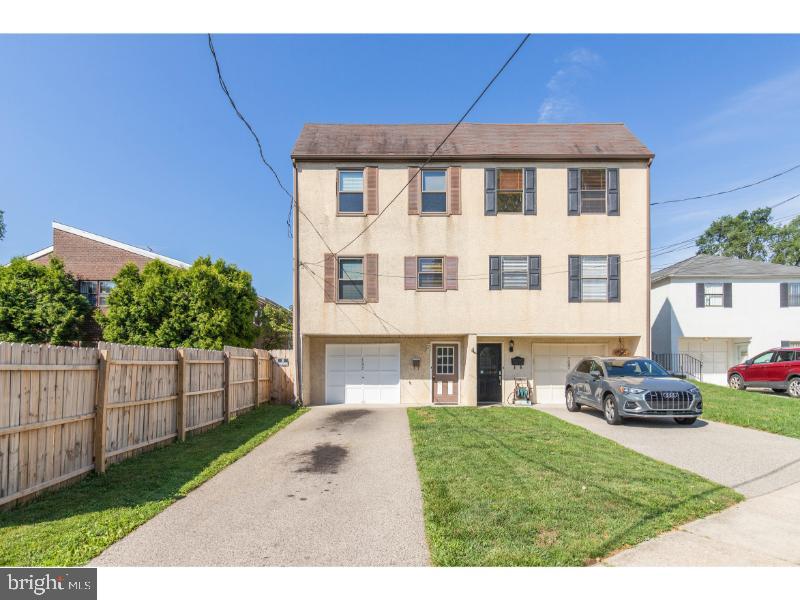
{"points": [[519, 249], [94, 260]]}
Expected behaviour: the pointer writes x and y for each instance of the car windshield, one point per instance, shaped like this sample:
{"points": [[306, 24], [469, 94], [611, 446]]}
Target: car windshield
{"points": [[634, 368]]}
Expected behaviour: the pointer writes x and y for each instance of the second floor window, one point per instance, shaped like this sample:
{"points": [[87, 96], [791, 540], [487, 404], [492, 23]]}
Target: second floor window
{"points": [[434, 191], [713, 294], [593, 191], [430, 273], [351, 191], [509, 190], [96, 292], [351, 279], [793, 295], [594, 278]]}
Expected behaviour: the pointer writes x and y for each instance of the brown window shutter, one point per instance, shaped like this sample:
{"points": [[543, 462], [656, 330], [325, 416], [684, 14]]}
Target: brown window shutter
{"points": [[330, 278], [410, 266], [371, 278], [414, 186], [451, 273], [371, 185], [455, 190]]}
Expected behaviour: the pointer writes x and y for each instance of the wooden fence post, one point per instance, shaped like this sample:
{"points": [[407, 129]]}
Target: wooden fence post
{"points": [[100, 412], [228, 387], [181, 400], [256, 361]]}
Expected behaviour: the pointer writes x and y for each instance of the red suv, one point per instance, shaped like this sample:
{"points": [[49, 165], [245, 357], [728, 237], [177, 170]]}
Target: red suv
{"points": [[778, 369]]}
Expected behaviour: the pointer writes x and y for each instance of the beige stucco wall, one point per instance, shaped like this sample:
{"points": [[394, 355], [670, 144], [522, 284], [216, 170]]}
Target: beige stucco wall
{"points": [[472, 236]]}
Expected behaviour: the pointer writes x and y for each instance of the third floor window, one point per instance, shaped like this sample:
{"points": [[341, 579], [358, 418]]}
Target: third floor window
{"points": [[351, 191]]}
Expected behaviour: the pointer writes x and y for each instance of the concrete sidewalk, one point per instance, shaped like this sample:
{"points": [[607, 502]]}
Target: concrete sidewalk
{"points": [[338, 486], [761, 531]]}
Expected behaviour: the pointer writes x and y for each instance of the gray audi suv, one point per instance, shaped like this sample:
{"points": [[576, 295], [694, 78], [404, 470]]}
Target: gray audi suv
{"points": [[631, 387]]}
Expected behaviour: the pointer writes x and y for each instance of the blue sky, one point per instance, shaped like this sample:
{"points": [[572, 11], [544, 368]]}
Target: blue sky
{"points": [[131, 137]]}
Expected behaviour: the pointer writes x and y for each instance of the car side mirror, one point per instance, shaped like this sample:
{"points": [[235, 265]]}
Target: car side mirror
{"points": [[596, 374], [749, 361]]}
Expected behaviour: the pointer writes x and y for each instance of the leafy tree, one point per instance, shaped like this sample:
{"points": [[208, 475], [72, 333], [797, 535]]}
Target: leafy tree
{"points": [[209, 305], [274, 327], [40, 303], [787, 244], [747, 235]]}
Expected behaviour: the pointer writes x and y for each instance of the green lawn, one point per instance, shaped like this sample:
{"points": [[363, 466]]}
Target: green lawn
{"points": [[506, 486], [72, 525], [769, 412]]}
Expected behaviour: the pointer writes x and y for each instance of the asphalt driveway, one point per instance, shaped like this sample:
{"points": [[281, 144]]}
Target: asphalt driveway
{"points": [[339, 486], [764, 467]]}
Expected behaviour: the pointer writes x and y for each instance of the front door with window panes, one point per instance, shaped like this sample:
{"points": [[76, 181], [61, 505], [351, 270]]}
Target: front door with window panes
{"points": [[444, 376]]}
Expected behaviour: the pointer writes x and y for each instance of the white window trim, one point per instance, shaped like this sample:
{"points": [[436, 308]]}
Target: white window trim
{"points": [[446, 210], [363, 210], [444, 275], [432, 365], [363, 298], [580, 190], [498, 191]]}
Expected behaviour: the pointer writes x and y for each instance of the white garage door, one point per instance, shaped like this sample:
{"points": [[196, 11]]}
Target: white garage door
{"points": [[714, 352], [362, 373], [552, 362]]}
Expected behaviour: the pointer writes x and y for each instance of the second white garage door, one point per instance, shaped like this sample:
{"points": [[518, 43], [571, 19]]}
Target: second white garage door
{"points": [[362, 373], [552, 362]]}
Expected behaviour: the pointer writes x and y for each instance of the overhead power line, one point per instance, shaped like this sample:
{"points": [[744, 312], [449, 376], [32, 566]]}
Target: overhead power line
{"points": [[442, 143], [735, 189], [224, 87]]}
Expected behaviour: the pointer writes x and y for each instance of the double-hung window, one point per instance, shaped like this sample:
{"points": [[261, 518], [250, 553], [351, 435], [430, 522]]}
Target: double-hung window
{"points": [[509, 190], [515, 272], [434, 191], [351, 279], [793, 295], [351, 191], [593, 191], [713, 294], [88, 290], [105, 288], [430, 273], [594, 278]]}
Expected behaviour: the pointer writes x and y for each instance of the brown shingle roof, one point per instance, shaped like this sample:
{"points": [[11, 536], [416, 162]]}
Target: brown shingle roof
{"points": [[470, 140]]}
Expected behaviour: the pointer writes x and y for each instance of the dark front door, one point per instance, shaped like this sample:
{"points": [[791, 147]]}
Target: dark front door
{"points": [[490, 374]]}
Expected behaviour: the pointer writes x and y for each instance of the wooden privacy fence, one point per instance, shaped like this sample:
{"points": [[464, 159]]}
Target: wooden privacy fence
{"points": [[66, 411]]}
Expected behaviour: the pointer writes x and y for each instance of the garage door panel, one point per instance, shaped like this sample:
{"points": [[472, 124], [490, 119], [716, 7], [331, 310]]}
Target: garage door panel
{"points": [[552, 362], [362, 373]]}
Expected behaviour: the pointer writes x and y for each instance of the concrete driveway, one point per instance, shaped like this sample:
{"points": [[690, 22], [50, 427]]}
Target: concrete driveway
{"points": [[763, 530], [339, 486]]}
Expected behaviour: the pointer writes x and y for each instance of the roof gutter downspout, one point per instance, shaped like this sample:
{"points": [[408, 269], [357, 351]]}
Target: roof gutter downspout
{"points": [[298, 344]]}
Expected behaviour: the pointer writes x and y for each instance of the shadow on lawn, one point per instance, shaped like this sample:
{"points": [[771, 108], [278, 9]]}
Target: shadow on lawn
{"points": [[164, 474]]}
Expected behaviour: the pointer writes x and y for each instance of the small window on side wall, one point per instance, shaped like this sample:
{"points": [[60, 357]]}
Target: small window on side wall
{"points": [[793, 294], [713, 294], [351, 191], [351, 279], [105, 290], [88, 290], [434, 191]]}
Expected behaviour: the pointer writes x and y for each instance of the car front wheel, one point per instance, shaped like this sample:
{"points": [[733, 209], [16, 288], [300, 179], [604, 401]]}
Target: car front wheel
{"points": [[736, 382], [685, 420], [794, 387], [610, 410], [572, 406]]}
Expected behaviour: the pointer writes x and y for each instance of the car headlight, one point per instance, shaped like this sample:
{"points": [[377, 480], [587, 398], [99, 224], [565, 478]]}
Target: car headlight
{"points": [[631, 390], [694, 392]]}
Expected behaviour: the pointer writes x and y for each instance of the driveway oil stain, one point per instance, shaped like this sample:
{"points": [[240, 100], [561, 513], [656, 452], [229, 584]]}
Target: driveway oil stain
{"points": [[323, 458], [343, 417]]}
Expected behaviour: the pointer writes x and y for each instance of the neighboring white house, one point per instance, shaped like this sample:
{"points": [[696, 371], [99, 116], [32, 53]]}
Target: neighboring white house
{"points": [[721, 310]]}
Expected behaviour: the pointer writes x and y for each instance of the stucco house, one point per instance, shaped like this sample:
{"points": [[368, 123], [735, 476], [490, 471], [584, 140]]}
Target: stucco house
{"points": [[519, 249], [721, 310]]}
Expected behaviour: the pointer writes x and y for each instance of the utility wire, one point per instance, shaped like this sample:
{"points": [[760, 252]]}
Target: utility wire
{"points": [[428, 160], [224, 87], [736, 189]]}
